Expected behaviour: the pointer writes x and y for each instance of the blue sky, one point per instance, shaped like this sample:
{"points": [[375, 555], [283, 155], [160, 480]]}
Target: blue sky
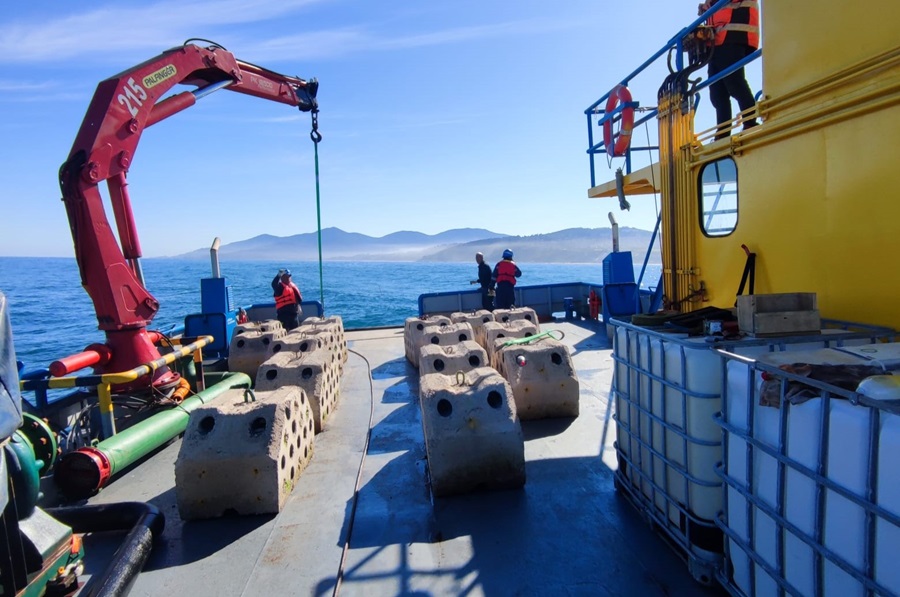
{"points": [[435, 115]]}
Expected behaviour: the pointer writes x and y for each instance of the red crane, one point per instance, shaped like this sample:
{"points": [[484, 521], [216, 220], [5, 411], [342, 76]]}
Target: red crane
{"points": [[122, 107]]}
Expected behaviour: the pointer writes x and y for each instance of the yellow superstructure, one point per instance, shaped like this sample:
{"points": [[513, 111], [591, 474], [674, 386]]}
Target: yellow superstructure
{"points": [[817, 181]]}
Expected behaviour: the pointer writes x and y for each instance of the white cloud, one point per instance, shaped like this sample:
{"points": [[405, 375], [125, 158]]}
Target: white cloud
{"points": [[114, 29], [105, 32], [355, 40], [23, 86]]}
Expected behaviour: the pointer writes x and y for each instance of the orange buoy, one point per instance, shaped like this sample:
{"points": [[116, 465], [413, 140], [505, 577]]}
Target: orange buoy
{"points": [[594, 302], [619, 95]]}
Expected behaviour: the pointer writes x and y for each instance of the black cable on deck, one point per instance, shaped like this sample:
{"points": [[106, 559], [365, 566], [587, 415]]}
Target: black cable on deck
{"points": [[340, 573]]}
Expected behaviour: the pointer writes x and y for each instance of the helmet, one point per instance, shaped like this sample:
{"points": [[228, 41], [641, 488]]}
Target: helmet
{"points": [[507, 254]]}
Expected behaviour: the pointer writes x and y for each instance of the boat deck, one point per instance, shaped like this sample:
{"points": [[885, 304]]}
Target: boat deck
{"points": [[567, 532]]}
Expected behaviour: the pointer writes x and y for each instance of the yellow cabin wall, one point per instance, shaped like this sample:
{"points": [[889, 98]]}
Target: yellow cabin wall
{"points": [[820, 206], [822, 218], [807, 40]]}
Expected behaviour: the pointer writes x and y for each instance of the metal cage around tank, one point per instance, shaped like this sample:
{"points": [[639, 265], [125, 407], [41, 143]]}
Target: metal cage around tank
{"points": [[811, 499], [667, 390]]}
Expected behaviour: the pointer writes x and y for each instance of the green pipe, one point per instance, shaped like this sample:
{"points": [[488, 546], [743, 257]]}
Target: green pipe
{"points": [[213, 377], [23, 471], [83, 472], [132, 444]]}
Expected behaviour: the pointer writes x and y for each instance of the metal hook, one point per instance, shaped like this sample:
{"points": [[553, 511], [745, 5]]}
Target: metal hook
{"points": [[314, 134]]}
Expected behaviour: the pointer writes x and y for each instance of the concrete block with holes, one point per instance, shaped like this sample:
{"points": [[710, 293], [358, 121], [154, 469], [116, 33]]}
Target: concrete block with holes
{"points": [[542, 378], [464, 356], [414, 334], [496, 333], [517, 314], [311, 371], [244, 453], [331, 332], [250, 348], [476, 320], [295, 341], [268, 325], [473, 439], [448, 335]]}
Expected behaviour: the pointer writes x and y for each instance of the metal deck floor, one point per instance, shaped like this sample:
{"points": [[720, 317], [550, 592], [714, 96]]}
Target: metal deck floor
{"points": [[566, 532]]}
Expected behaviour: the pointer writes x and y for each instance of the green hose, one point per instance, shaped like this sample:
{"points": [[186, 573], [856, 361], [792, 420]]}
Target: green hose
{"points": [[132, 444], [83, 472]]}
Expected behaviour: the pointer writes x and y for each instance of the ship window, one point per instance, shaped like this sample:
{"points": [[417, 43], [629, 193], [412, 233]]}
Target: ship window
{"points": [[719, 198]]}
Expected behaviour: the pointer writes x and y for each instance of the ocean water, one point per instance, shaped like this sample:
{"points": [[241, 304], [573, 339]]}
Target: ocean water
{"points": [[52, 315]]}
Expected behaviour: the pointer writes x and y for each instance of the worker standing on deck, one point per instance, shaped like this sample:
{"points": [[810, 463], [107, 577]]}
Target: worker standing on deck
{"points": [[487, 283], [287, 299], [736, 30], [504, 276]]}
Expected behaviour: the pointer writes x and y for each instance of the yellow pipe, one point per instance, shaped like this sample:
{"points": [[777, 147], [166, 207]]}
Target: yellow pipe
{"points": [[104, 396], [152, 366], [198, 366], [860, 70], [839, 112], [139, 371], [793, 126]]}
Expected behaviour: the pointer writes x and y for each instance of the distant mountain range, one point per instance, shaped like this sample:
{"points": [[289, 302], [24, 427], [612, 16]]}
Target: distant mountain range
{"points": [[573, 245]]}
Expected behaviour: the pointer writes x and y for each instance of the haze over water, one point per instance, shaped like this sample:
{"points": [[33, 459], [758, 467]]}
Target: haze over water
{"points": [[52, 316]]}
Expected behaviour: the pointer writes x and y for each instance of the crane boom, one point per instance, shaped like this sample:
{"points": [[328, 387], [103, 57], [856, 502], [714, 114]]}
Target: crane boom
{"points": [[122, 107]]}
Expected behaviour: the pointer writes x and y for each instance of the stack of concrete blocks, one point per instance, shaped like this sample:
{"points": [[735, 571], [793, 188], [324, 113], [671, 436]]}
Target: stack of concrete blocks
{"points": [[515, 314], [414, 334], [314, 371], [496, 334], [244, 453], [542, 378], [250, 346], [476, 320], [473, 439], [450, 359]]}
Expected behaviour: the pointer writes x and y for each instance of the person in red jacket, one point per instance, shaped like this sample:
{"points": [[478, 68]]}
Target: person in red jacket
{"points": [[736, 30], [287, 299], [504, 276]]}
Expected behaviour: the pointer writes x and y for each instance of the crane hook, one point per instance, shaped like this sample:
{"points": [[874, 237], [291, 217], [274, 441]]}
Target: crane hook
{"points": [[314, 134]]}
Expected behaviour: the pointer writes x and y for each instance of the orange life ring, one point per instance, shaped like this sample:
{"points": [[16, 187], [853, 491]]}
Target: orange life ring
{"points": [[619, 95]]}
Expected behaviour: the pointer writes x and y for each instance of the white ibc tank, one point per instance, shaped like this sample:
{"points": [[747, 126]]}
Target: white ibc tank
{"points": [[667, 395], [844, 522], [633, 389], [887, 535]]}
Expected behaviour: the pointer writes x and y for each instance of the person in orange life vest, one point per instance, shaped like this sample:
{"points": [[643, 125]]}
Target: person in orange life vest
{"points": [[504, 276], [736, 29], [287, 299]]}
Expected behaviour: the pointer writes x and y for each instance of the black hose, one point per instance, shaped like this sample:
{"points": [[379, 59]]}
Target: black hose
{"points": [[145, 522]]}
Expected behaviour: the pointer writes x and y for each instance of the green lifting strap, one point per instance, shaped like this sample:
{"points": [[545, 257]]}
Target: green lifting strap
{"points": [[529, 339], [316, 137]]}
